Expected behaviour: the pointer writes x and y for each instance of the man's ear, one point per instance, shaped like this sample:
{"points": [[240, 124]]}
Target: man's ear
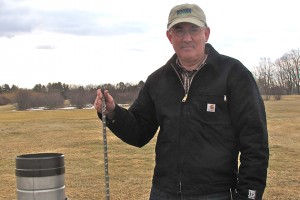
{"points": [[169, 35], [207, 33]]}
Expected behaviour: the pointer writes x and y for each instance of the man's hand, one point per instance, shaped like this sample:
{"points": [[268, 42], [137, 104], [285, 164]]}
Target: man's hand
{"points": [[109, 100]]}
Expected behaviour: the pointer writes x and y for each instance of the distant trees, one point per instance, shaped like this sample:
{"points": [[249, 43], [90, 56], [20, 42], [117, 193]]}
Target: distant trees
{"points": [[6, 88], [55, 95], [281, 77], [25, 99], [4, 100], [79, 97]]}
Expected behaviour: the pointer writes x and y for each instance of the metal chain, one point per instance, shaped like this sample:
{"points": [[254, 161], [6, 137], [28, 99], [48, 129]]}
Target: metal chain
{"points": [[107, 197]]}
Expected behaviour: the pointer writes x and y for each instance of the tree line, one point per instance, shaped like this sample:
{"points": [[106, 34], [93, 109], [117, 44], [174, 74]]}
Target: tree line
{"points": [[281, 77], [58, 95]]}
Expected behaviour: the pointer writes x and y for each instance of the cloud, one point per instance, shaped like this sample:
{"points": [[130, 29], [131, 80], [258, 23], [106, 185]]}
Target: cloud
{"points": [[45, 46], [17, 19], [85, 23]]}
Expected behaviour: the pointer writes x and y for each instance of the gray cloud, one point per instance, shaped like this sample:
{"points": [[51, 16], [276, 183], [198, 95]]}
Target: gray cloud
{"points": [[15, 19], [136, 50], [84, 23], [45, 46]]}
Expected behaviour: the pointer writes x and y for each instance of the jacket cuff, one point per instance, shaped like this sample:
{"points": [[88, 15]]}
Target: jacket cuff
{"points": [[109, 120], [249, 195]]}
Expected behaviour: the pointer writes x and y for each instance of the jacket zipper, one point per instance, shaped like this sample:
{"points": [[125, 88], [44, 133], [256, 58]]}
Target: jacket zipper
{"points": [[183, 101], [185, 95], [184, 98], [186, 92], [180, 187]]}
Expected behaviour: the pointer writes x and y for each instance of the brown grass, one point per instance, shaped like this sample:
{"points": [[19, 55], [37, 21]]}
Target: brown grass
{"points": [[78, 135], [284, 139]]}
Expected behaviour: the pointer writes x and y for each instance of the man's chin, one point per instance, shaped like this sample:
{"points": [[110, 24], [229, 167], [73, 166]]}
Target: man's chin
{"points": [[188, 55]]}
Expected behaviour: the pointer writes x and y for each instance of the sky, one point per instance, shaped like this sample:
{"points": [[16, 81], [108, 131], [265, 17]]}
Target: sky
{"points": [[93, 42]]}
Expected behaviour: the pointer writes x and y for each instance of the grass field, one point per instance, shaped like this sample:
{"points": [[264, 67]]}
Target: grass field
{"points": [[78, 135]]}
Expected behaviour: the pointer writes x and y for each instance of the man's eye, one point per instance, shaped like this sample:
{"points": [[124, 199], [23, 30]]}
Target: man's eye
{"points": [[179, 31], [194, 30]]}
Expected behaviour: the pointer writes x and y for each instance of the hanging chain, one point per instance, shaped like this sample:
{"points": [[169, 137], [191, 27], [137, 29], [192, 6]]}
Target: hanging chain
{"points": [[105, 148]]}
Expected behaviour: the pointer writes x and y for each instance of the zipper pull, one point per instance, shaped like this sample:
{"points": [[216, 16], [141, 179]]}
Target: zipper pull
{"points": [[225, 98], [180, 187], [184, 98]]}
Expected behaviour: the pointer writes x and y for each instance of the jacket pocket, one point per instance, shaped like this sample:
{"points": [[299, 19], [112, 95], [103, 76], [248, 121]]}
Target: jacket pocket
{"points": [[209, 108]]}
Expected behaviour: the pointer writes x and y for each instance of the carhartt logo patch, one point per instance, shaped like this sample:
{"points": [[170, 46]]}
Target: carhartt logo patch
{"points": [[211, 107], [251, 194]]}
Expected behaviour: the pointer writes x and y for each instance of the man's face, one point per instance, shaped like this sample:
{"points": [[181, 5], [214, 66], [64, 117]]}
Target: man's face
{"points": [[188, 41]]}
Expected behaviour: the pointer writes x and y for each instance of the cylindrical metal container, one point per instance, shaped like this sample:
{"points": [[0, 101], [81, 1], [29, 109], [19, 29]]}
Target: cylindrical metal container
{"points": [[40, 176]]}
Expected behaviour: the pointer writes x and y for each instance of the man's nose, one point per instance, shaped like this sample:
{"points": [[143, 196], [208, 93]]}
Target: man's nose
{"points": [[187, 36]]}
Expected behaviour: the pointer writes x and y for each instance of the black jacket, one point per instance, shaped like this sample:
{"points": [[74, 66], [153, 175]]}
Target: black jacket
{"points": [[200, 139]]}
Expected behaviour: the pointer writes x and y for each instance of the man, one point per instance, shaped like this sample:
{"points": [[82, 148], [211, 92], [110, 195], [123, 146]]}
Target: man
{"points": [[209, 111]]}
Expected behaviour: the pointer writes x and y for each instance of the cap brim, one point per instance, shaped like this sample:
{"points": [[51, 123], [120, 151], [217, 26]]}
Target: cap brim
{"points": [[188, 20]]}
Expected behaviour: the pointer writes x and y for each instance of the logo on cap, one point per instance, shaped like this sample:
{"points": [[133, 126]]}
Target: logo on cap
{"points": [[184, 11]]}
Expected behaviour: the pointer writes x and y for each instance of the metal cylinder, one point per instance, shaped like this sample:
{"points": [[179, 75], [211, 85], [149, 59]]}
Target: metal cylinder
{"points": [[40, 176]]}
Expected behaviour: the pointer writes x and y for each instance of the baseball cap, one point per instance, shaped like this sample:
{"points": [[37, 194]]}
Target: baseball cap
{"points": [[186, 13]]}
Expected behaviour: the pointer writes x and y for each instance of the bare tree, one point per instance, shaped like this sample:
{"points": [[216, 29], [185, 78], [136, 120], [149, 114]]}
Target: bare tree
{"points": [[282, 77], [294, 59], [287, 67], [265, 72], [22, 99], [78, 97], [54, 100]]}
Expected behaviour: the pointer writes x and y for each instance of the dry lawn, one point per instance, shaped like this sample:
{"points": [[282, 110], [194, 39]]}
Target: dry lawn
{"points": [[284, 139], [78, 135]]}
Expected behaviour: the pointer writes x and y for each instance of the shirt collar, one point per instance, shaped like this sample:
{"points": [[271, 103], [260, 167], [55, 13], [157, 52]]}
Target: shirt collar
{"points": [[181, 68]]}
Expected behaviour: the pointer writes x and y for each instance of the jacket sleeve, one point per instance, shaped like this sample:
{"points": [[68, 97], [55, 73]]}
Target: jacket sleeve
{"points": [[137, 125], [249, 120]]}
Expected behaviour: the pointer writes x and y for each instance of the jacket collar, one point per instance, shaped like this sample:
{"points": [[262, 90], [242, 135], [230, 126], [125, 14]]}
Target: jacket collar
{"points": [[213, 58]]}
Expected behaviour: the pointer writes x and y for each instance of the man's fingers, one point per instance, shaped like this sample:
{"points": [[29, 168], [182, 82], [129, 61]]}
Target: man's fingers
{"points": [[102, 92], [107, 96], [99, 93], [98, 103]]}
